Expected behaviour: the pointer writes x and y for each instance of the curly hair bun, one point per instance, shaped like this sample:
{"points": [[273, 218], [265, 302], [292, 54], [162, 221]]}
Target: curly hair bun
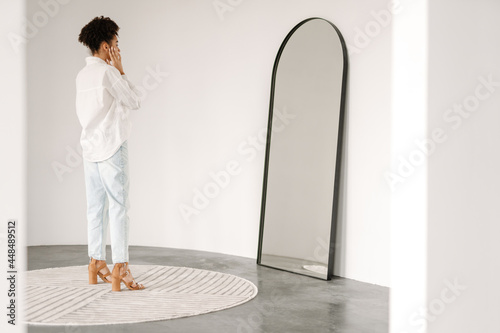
{"points": [[100, 29]]}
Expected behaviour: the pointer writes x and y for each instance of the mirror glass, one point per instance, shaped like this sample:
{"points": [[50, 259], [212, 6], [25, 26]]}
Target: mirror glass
{"points": [[304, 140]]}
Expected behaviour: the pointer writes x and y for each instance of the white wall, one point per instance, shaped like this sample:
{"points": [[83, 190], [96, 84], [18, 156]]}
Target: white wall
{"points": [[215, 98], [445, 267], [409, 212], [464, 177]]}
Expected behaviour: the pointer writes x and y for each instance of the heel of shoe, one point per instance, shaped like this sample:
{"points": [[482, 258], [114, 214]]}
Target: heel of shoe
{"points": [[92, 272], [116, 284], [92, 277], [116, 278]]}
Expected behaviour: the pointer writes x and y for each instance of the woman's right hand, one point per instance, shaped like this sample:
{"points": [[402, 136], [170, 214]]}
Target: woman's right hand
{"points": [[116, 58]]}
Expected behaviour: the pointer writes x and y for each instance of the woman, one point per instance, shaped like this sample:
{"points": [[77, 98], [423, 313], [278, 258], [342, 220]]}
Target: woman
{"points": [[104, 96]]}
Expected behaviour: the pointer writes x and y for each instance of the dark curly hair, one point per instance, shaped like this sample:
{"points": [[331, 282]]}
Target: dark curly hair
{"points": [[100, 29]]}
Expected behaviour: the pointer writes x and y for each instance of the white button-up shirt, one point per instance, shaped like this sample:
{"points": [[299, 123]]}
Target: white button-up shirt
{"points": [[103, 100]]}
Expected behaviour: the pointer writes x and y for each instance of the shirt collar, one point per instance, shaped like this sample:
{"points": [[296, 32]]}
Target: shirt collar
{"points": [[94, 60]]}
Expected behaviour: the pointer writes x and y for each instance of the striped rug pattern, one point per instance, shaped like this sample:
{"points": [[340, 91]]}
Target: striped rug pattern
{"points": [[63, 296]]}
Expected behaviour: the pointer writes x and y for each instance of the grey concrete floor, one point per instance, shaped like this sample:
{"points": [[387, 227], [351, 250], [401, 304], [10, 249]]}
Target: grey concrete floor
{"points": [[286, 302]]}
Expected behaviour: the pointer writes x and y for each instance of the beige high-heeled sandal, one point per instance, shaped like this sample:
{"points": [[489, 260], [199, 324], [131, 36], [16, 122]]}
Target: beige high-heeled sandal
{"points": [[94, 271], [117, 278]]}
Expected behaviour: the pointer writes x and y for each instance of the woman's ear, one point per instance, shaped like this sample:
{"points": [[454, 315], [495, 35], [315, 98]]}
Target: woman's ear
{"points": [[105, 46]]}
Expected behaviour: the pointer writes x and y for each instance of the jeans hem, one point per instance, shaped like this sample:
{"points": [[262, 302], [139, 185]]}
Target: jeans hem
{"points": [[120, 261], [96, 258]]}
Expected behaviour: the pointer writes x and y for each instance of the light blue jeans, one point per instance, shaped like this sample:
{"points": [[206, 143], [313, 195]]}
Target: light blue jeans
{"points": [[107, 186]]}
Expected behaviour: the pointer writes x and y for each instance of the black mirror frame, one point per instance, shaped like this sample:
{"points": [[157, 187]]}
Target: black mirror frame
{"points": [[333, 228]]}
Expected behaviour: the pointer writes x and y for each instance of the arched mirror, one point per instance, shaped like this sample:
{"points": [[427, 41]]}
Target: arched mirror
{"points": [[304, 145]]}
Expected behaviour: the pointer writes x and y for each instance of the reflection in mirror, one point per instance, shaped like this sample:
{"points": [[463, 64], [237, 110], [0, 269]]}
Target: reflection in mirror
{"points": [[304, 141]]}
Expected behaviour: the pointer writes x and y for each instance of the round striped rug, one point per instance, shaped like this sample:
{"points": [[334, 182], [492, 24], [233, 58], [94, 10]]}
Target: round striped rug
{"points": [[63, 296]]}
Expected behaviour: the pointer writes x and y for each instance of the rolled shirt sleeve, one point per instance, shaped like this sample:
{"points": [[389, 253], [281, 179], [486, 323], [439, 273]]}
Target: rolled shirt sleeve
{"points": [[124, 91]]}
